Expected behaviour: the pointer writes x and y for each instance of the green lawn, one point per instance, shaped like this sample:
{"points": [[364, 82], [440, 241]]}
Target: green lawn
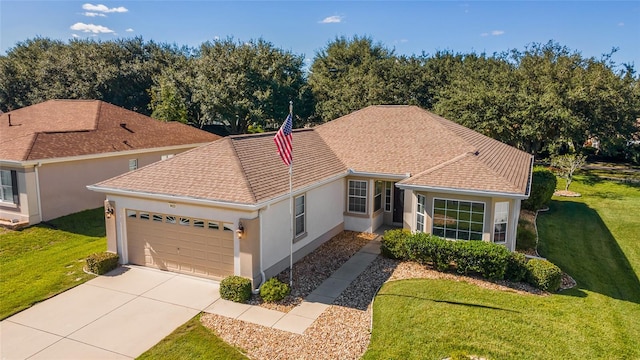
{"points": [[42, 261], [594, 238], [192, 341]]}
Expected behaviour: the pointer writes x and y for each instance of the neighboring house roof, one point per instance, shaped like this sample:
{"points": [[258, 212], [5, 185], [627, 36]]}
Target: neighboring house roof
{"points": [[392, 140], [64, 128]]}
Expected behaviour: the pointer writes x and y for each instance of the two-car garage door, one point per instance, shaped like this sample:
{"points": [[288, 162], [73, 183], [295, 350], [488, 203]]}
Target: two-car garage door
{"points": [[181, 244]]}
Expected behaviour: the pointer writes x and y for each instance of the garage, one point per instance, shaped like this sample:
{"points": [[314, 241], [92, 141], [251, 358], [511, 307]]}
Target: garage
{"points": [[184, 245]]}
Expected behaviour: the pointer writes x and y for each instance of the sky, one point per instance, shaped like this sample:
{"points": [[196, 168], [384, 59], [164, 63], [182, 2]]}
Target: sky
{"points": [[305, 28]]}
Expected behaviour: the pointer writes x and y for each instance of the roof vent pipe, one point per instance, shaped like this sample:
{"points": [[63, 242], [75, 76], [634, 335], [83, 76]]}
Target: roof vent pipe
{"points": [[9, 116]]}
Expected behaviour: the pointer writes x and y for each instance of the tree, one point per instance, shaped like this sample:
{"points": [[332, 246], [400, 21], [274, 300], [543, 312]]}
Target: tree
{"points": [[565, 165], [248, 83]]}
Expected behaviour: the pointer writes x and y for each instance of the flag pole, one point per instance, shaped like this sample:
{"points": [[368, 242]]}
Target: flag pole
{"points": [[291, 206]]}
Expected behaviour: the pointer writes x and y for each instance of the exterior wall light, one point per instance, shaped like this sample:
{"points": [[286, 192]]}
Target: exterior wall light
{"points": [[240, 230]]}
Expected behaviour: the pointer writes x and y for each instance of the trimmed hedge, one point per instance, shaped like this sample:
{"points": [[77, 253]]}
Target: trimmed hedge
{"points": [[235, 288], [492, 261], [274, 290], [102, 263], [544, 275], [543, 184]]}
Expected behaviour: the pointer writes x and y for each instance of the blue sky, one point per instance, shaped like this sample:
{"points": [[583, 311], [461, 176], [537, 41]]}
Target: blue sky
{"points": [[306, 27]]}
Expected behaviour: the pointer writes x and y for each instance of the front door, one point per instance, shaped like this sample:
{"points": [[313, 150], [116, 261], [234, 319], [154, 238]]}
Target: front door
{"points": [[398, 204]]}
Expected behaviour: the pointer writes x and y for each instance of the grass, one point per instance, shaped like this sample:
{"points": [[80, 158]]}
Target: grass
{"points": [[593, 238], [192, 341], [44, 260]]}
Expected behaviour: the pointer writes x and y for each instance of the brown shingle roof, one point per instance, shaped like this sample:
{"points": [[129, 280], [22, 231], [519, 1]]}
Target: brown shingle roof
{"points": [[62, 128], [377, 139]]}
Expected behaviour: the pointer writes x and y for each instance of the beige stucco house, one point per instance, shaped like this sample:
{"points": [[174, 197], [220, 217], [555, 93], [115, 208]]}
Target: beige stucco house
{"points": [[223, 208], [50, 152]]}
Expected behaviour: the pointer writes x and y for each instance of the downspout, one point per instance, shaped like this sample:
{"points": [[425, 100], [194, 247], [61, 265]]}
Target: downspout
{"points": [[38, 190], [257, 289]]}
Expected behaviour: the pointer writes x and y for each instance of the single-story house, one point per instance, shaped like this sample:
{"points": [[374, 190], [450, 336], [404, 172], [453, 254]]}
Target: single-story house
{"points": [[51, 151], [224, 208]]}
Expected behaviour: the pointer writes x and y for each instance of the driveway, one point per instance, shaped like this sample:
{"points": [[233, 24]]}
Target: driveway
{"points": [[114, 316]]}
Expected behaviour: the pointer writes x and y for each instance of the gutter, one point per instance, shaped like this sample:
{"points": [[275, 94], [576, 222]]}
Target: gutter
{"points": [[38, 190], [262, 275], [385, 176], [462, 191]]}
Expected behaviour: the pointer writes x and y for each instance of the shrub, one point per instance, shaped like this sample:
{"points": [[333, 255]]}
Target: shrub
{"points": [[274, 290], [440, 251], [488, 259], [516, 267], [393, 244], [543, 184], [544, 275], [235, 288], [525, 239], [102, 263]]}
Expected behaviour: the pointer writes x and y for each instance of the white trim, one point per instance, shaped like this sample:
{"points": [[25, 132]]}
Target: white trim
{"points": [[385, 176], [366, 196], [461, 191], [530, 177], [38, 198], [99, 156]]}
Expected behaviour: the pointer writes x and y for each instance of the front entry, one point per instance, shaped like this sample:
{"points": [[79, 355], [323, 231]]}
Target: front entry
{"points": [[398, 205]]}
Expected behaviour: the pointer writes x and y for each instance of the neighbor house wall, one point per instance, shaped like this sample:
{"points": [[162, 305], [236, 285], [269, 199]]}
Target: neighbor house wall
{"points": [[63, 184], [324, 219], [27, 208]]}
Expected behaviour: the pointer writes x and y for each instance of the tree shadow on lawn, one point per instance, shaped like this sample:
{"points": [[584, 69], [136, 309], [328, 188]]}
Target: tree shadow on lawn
{"points": [[88, 223], [450, 302], [574, 237]]}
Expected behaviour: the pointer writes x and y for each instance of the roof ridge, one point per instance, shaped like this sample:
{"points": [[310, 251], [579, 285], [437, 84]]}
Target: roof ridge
{"points": [[33, 142], [241, 166], [97, 119], [441, 165]]}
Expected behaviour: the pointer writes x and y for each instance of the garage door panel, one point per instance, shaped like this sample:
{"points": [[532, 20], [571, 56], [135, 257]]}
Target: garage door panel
{"points": [[179, 247]]}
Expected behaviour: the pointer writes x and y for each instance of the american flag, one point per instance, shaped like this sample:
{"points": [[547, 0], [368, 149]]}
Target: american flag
{"points": [[283, 140]]}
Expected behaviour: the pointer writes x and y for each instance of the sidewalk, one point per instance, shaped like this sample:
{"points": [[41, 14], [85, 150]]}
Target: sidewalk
{"points": [[303, 315]]}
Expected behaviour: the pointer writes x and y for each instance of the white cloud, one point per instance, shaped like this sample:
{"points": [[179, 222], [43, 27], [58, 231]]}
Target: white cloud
{"points": [[75, 35], [129, 30], [216, 37], [93, 14], [91, 28], [497, 32], [104, 9], [335, 19]]}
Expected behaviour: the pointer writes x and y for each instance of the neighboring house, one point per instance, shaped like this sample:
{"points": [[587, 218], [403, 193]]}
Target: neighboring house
{"points": [[50, 152], [224, 208]]}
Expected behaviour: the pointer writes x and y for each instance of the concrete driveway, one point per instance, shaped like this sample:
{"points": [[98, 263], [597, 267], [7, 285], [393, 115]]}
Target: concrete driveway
{"points": [[115, 316]]}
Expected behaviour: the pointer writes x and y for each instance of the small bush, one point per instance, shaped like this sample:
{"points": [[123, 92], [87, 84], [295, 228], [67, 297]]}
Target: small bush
{"points": [[544, 275], [235, 288], [488, 259], [102, 263], [516, 267], [274, 290], [543, 185], [393, 243], [525, 239]]}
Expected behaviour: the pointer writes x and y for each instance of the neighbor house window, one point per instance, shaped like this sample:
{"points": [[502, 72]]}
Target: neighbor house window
{"points": [[500, 222], [458, 220], [357, 196], [300, 215], [133, 164], [165, 157], [387, 196], [9, 186], [422, 200], [377, 197]]}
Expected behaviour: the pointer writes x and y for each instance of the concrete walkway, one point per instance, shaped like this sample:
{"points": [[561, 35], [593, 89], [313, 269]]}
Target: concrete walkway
{"points": [[124, 313], [302, 316]]}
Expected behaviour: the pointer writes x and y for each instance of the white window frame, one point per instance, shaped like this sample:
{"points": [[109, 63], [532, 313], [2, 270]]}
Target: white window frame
{"points": [[457, 230], [378, 186], [133, 164], [388, 197], [421, 205], [501, 217], [300, 214], [358, 196], [8, 186]]}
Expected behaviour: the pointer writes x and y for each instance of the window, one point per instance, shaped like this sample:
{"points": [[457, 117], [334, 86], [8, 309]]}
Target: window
{"points": [[300, 215], [165, 157], [357, 196], [458, 220], [377, 197], [9, 186], [387, 196], [501, 219], [422, 200], [133, 164], [131, 213]]}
